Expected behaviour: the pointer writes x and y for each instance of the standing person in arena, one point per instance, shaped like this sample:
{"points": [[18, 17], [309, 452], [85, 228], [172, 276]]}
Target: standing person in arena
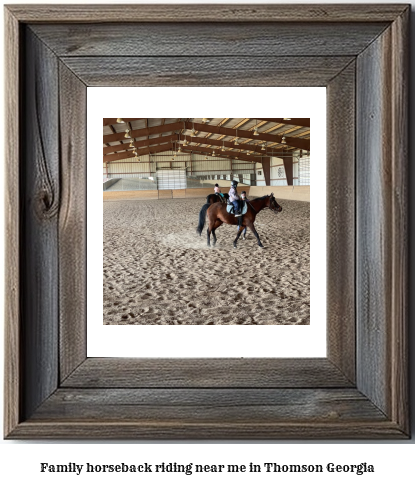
{"points": [[234, 198], [243, 199]]}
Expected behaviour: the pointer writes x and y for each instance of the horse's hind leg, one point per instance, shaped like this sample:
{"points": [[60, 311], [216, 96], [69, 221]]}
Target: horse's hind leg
{"points": [[217, 224], [251, 226], [208, 231]]}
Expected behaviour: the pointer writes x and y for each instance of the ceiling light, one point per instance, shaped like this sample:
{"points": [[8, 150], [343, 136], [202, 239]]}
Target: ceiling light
{"points": [[180, 150], [223, 147], [205, 120], [236, 143], [213, 154], [283, 140], [193, 133], [286, 119], [256, 130], [263, 146], [131, 144], [127, 134], [120, 121]]}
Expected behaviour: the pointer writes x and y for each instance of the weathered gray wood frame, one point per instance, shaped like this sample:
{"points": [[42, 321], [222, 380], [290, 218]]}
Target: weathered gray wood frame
{"points": [[359, 52]]}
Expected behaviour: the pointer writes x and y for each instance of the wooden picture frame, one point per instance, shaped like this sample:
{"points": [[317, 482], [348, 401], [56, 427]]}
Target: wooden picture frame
{"points": [[360, 53]]}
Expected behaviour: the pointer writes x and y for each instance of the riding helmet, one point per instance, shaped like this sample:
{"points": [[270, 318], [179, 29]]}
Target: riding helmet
{"points": [[234, 183]]}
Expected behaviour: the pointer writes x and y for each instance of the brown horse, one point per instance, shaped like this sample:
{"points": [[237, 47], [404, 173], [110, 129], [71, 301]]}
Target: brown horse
{"points": [[215, 197], [217, 215]]}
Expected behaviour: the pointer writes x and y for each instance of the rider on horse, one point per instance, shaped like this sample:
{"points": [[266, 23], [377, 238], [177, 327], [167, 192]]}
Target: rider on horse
{"points": [[218, 191], [234, 198]]}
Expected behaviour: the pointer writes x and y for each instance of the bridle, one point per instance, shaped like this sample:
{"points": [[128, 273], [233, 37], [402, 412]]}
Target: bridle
{"points": [[273, 205]]}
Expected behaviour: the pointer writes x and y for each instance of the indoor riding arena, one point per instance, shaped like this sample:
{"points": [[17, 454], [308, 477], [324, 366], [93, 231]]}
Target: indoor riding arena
{"points": [[157, 177]]}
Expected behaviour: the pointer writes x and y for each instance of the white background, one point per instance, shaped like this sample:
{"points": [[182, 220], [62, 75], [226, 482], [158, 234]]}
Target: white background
{"points": [[19, 461], [211, 341]]}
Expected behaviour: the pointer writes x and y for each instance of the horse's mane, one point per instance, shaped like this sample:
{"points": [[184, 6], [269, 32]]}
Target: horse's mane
{"points": [[260, 198]]}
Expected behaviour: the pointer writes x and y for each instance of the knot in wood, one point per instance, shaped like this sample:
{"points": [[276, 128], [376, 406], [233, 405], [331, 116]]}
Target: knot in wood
{"points": [[47, 206]]}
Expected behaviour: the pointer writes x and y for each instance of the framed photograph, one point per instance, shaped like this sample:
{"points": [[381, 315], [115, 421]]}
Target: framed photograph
{"points": [[55, 54], [158, 271]]}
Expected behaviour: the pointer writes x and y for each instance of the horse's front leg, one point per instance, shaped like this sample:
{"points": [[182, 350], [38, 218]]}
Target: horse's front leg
{"points": [[237, 236], [251, 226]]}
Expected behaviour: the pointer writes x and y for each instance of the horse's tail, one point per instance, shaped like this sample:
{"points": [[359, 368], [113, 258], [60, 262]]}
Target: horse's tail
{"points": [[202, 218], [208, 198]]}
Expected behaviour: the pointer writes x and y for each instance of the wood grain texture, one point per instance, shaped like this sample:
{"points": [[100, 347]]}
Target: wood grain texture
{"points": [[206, 373], [400, 233], [12, 383], [209, 405], [382, 223], [200, 71], [188, 430], [341, 235], [72, 222], [40, 205], [205, 13], [207, 39], [373, 222]]}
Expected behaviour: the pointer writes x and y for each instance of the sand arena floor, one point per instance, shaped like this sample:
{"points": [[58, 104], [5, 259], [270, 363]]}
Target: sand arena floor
{"points": [[157, 270]]}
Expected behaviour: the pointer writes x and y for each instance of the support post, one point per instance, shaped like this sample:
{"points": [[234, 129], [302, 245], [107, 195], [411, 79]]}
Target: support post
{"points": [[288, 166], [266, 168]]}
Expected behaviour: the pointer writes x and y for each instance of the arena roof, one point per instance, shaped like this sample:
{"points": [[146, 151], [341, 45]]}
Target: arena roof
{"points": [[245, 139]]}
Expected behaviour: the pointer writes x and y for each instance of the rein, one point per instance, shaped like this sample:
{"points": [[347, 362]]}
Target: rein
{"points": [[256, 199], [249, 203]]}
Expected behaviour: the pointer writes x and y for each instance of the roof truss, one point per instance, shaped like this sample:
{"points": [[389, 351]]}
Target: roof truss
{"points": [[253, 145]]}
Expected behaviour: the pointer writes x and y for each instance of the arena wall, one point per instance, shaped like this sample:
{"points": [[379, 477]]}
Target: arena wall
{"points": [[110, 182], [299, 193], [159, 194]]}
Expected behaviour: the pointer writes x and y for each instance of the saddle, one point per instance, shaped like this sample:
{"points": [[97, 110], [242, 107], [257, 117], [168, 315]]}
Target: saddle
{"points": [[231, 209]]}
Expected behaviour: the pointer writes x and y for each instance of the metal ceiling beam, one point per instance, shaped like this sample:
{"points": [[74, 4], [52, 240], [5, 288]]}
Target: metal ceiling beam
{"points": [[229, 145], [114, 121], [123, 150], [245, 134], [300, 122], [140, 152], [158, 129], [290, 141], [138, 144], [226, 154]]}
